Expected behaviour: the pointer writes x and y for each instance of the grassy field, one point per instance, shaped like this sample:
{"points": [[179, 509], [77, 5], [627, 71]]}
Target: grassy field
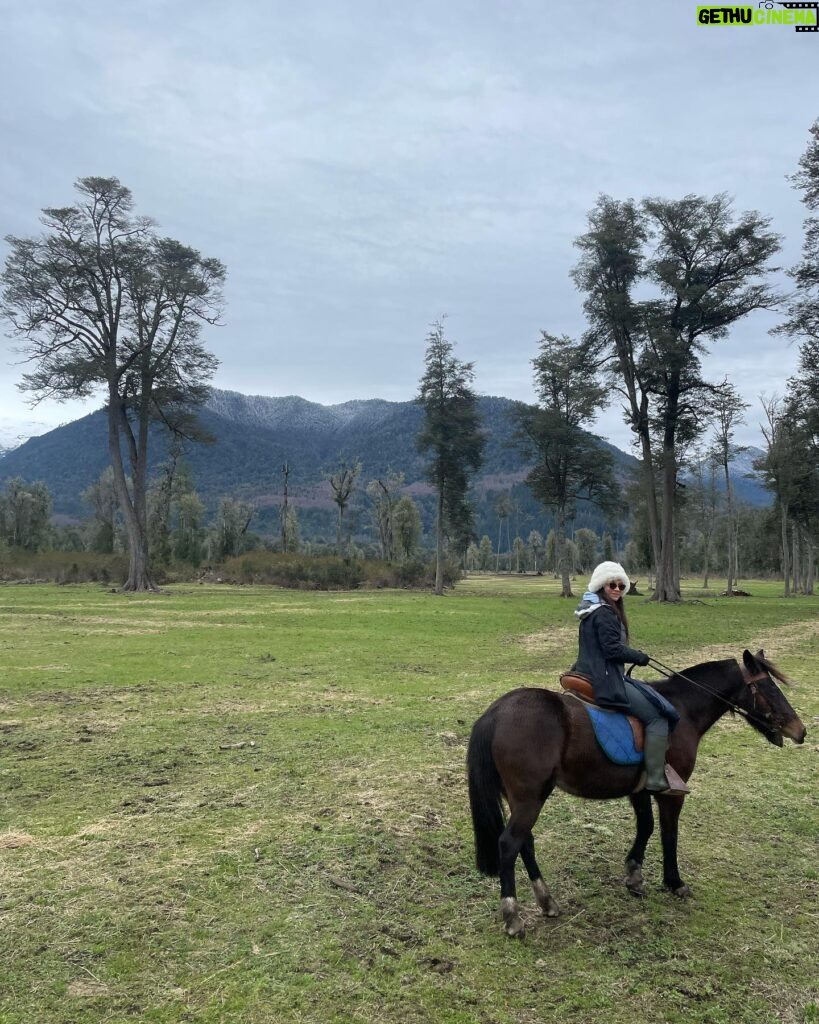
{"points": [[241, 804]]}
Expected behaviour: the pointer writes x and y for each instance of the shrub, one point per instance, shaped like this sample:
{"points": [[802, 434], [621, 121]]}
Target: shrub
{"points": [[63, 567]]}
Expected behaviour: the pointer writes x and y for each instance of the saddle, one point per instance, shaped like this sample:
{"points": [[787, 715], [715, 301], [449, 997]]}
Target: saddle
{"points": [[620, 736]]}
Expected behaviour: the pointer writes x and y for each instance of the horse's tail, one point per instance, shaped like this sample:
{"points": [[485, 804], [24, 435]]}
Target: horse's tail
{"points": [[485, 795]]}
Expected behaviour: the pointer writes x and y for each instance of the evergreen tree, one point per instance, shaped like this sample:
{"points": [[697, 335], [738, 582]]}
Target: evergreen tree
{"points": [[570, 465], [451, 438]]}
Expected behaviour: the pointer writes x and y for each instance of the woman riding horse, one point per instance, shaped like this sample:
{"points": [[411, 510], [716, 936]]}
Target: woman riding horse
{"points": [[532, 741], [603, 652]]}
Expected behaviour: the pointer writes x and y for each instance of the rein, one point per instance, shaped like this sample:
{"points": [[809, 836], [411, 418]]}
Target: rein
{"points": [[750, 680]]}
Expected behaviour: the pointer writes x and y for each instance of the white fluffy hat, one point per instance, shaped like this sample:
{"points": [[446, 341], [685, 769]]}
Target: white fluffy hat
{"points": [[605, 573]]}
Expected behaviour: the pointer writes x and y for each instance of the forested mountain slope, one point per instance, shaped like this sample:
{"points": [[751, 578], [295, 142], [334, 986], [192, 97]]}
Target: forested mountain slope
{"points": [[255, 435]]}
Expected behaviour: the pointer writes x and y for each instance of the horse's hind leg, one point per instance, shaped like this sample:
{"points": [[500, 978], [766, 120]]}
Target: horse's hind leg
{"points": [[512, 841], [641, 802], [545, 900]]}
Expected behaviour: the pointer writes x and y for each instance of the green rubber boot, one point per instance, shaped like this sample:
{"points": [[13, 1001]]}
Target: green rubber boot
{"points": [[654, 753]]}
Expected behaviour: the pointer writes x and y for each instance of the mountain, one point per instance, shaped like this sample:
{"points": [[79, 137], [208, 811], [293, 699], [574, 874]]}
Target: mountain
{"points": [[255, 435], [13, 433]]}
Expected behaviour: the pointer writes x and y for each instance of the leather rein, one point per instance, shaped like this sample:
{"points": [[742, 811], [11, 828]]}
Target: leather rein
{"points": [[750, 681]]}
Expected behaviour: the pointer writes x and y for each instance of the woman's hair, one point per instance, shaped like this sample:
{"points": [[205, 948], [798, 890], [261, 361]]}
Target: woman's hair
{"points": [[618, 607]]}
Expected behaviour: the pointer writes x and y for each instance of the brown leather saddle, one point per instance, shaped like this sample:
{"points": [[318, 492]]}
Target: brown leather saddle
{"points": [[580, 686]]}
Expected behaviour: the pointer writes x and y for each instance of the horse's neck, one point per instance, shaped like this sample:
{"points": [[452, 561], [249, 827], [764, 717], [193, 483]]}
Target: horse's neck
{"points": [[713, 689]]}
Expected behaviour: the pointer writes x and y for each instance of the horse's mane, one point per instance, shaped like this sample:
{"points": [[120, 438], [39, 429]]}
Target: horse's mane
{"points": [[760, 657], [771, 669]]}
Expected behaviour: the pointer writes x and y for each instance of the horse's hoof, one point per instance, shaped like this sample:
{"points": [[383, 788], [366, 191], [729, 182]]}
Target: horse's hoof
{"points": [[515, 929], [512, 924], [634, 878], [545, 900], [683, 891]]}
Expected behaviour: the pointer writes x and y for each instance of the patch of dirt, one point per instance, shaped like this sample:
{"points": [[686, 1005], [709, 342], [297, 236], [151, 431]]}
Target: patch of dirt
{"points": [[561, 639], [14, 840], [87, 988], [777, 642]]}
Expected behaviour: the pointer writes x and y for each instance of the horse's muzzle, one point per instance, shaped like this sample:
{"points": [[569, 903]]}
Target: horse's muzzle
{"points": [[795, 731]]}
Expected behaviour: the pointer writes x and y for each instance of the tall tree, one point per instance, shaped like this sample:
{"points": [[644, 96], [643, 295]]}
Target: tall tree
{"points": [[570, 465], [406, 521], [104, 304], [729, 409], [703, 501], [101, 496], [233, 519], [343, 484], [707, 270], [25, 514], [451, 438], [803, 398], [503, 510], [536, 546], [284, 509], [803, 308], [384, 493], [788, 471]]}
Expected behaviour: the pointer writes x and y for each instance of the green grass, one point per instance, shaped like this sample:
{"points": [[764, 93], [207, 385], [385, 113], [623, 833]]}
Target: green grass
{"points": [[242, 804]]}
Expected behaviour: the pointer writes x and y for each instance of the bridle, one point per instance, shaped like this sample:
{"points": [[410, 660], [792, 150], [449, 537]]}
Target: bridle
{"points": [[750, 681]]}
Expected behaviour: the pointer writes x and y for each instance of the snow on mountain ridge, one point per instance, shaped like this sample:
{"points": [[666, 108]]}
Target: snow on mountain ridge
{"points": [[13, 433], [295, 412]]}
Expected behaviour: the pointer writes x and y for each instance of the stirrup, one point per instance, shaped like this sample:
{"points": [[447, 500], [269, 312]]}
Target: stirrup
{"points": [[676, 785]]}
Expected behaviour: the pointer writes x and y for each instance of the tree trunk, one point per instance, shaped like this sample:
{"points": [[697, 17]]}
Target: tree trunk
{"points": [[729, 508], [786, 570], [561, 553], [139, 578], [667, 587], [650, 495], [439, 545]]}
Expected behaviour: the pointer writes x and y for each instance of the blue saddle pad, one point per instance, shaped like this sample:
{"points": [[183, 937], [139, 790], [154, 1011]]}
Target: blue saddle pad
{"points": [[614, 735]]}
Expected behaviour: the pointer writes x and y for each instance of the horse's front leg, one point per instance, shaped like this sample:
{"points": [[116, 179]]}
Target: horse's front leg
{"points": [[670, 807], [641, 802]]}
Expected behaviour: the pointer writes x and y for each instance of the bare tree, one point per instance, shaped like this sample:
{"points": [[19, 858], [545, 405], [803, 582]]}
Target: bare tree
{"points": [[343, 484]]}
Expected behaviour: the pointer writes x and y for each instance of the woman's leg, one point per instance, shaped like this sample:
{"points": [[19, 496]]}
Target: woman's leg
{"points": [[656, 739]]}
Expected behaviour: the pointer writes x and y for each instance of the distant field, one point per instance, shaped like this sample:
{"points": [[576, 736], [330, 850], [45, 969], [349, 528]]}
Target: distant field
{"points": [[243, 804]]}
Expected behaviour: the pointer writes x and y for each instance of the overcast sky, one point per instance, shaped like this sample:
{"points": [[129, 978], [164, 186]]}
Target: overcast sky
{"points": [[363, 168]]}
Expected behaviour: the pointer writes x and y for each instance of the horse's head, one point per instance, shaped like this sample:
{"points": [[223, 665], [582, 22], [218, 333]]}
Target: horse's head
{"points": [[768, 709]]}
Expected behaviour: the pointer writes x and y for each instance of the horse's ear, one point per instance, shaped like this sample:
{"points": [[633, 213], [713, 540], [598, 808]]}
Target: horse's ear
{"points": [[760, 655], [749, 661]]}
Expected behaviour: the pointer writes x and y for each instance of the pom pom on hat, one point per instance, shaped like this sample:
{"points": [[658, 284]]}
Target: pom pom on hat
{"points": [[605, 573]]}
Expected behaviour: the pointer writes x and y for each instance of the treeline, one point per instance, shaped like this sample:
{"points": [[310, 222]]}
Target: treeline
{"points": [[101, 301]]}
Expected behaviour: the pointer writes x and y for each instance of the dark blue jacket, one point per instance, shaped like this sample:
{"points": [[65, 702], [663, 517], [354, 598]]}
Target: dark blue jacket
{"points": [[603, 654]]}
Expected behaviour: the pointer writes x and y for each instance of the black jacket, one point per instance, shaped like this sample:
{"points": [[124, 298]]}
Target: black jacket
{"points": [[603, 653]]}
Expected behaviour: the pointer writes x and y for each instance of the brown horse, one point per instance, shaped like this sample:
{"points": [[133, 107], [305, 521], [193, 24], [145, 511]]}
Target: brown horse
{"points": [[532, 740]]}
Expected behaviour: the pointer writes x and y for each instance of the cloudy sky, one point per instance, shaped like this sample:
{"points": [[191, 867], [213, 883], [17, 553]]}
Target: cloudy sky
{"points": [[364, 168]]}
